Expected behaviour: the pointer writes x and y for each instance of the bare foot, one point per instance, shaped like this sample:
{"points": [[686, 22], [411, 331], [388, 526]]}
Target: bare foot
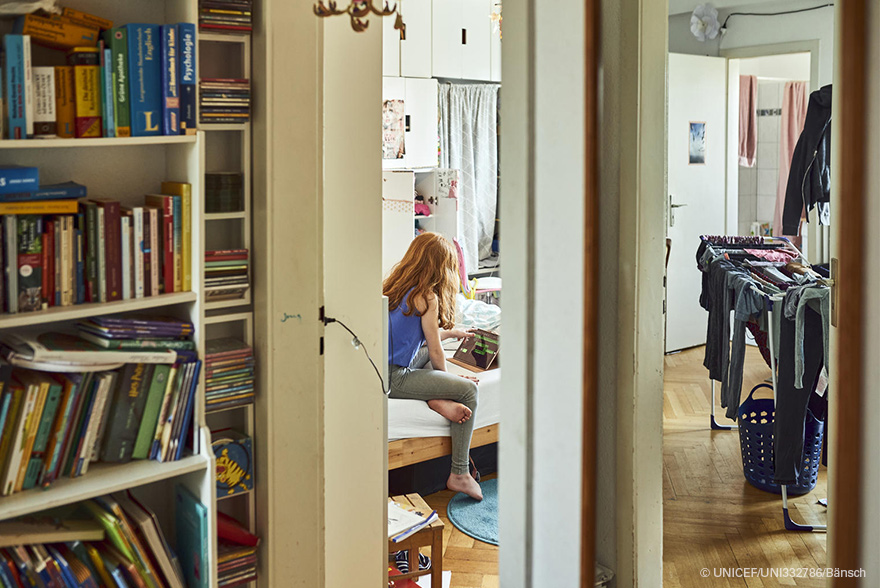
{"points": [[465, 483], [451, 410]]}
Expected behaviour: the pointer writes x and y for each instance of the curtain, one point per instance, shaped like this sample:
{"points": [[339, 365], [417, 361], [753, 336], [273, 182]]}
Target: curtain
{"points": [[469, 143], [794, 113], [748, 120]]}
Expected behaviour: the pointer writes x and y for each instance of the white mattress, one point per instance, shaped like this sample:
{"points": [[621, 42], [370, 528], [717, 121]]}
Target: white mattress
{"points": [[413, 418]]}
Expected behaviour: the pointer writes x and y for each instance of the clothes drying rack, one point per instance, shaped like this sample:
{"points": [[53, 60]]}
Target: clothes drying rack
{"points": [[770, 300]]}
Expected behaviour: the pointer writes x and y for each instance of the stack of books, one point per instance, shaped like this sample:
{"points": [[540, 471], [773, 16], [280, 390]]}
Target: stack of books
{"points": [[105, 90], [139, 333], [236, 551], [226, 274], [224, 100], [229, 374], [113, 540], [224, 192], [226, 15], [59, 249]]}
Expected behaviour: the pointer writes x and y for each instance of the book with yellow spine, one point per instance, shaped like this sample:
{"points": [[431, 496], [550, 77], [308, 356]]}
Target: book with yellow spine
{"points": [[183, 190]]}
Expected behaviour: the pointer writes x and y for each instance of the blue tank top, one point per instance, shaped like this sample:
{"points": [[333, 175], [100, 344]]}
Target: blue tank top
{"points": [[406, 335]]}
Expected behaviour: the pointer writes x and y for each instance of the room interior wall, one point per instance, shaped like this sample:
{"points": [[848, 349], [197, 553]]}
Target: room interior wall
{"points": [[287, 155], [355, 443]]}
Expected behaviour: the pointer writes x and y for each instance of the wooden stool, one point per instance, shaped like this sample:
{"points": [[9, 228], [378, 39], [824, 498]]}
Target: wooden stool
{"points": [[431, 536]]}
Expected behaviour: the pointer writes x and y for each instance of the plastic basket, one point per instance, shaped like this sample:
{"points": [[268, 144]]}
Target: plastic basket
{"points": [[756, 443]]}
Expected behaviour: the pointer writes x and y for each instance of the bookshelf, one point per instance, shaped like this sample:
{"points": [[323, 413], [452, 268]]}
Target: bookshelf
{"points": [[126, 169]]}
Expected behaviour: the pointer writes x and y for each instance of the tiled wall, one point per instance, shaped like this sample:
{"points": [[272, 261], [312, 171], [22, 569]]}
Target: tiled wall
{"points": [[757, 185]]}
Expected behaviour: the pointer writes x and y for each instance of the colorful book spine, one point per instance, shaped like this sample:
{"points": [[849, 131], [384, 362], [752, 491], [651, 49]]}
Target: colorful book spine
{"points": [[118, 41], [44, 102], [91, 271], [28, 86], [56, 32], [80, 265], [30, 260], [57, 265], [186, 33], [126, 265], [87, 83], [101, 277], [165, 204], [138, 250], [65, 102], [145, 75], [14, 74], [178, 243], [44, 285], [126, 413], [183, 193], [170, 81], [50, 192], [108, 118], [39, 207], [147, 428], [85, 19], [113, 247], [15, 179], [35, 465]]}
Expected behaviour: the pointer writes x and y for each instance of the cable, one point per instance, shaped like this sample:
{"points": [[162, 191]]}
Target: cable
{"points": [[357, 343], [724, 25]]}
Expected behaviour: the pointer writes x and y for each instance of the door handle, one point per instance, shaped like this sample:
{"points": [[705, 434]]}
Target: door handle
{"points": [[672, 208], [676, 205]]}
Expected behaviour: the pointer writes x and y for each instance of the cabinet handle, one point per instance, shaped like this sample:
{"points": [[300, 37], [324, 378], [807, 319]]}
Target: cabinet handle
{"points": [[406, 123], [464, 36]]}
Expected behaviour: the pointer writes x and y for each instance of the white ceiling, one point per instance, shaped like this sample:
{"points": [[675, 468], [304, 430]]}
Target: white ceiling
{"points": [[687, 6]]}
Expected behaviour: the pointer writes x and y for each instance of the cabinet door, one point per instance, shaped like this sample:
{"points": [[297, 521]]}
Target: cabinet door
{"points": [[447, 36], [390, 47], [393, 89], [495, 44], [422, 136], [475, 61], [415, 50]]}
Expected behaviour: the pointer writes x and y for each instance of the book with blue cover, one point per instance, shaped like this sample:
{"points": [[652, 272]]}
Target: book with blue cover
{"points": [[14, 74], [170, 81], [191, 517], [186, 34], [109, 103], [145, 77], [15, 179], [63, 191]]}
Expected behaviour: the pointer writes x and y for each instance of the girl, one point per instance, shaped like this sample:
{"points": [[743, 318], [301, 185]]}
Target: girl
{"points": [[421, 293]]}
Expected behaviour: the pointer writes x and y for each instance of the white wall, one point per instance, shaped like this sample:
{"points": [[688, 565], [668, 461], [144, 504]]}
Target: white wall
{"points": [[789, 66], [750, 31], [355, 443]]}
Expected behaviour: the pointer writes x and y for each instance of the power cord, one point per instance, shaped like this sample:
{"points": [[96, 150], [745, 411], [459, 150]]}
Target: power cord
{"points": [[357, 344]]}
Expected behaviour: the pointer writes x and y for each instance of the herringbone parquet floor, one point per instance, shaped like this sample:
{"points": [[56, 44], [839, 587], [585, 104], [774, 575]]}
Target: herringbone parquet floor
{"points": [[712, 517]]}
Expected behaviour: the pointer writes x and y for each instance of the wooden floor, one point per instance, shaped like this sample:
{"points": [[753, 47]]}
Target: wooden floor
{"points": [[712, 517], [474, 564]]}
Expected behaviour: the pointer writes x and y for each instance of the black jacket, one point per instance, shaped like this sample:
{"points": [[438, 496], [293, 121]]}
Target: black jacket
{"points": [[809, 181]]}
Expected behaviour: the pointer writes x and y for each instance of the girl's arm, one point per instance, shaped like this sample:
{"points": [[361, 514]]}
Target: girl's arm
{"points": [[431, 330]]}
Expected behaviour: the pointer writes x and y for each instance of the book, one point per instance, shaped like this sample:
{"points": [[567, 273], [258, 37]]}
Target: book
{"points": [[191, 518], [15, 178], [183, 192], [30, 259], [37, 458], [88, 91], [189, 408], [150, 419], [10, 234], [170, 80], [112, 247], [150, 533], [63, 191], [56, 435], [112, 377], [28, 87], [36, 396], [55, 32], [46, 260], [138, 251], [16, 397], [44, 102], [85, 19], [187, 70], [14, 75], [117, 40], [108, 103], [174, 380], [39, 207], [34, 345], [65, 102], [137, 344], [127, 274], [166, 205], [126, 413], [145, 77], [70, 444], [100, 407]]}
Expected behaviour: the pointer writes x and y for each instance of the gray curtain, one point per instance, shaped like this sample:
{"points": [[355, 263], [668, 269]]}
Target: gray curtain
{"points": [[469, 143]]}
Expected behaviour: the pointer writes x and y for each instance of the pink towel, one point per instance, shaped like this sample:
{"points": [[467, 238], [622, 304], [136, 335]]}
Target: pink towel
{"points": [[794, 113], [748, 120]]}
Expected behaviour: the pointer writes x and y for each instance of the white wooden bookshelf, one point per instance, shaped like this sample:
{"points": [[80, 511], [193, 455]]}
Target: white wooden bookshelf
{"points": [[102, 142]]}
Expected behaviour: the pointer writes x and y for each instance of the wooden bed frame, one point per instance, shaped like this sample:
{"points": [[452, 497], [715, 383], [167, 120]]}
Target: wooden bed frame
{"points": [[404, 452]]}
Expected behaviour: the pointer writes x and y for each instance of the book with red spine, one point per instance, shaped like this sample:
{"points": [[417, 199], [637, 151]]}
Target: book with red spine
{"points": [[165, 204], [112, 246]]}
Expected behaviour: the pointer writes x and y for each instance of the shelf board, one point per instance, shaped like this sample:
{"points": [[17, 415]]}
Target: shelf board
{"points": [[225, 126], [102, 478], [229, 303], [208, 410], [423, 217], [80, 311], [230, 37], [228, 318], [227, 496], [209, 216], [101, 142]]}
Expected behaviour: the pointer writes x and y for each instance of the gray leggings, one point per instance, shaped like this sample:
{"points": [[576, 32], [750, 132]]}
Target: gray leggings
{"points": [[417, 383]]}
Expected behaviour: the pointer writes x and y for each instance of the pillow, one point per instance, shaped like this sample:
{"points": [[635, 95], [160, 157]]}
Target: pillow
{"points": [[476, 314]]}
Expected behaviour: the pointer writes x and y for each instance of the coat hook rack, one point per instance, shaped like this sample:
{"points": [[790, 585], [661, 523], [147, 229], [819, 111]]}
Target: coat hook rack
{"points": [[358, 11]]}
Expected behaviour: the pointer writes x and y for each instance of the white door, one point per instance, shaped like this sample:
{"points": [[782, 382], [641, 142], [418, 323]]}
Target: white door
{"points": [[476, 37], [422, 123], [447, 36], [415, 50], [391, 45], [696, 199]]}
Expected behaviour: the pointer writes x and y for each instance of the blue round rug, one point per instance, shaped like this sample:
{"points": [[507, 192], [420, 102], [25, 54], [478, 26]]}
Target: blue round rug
{"points": [[477, 519]]}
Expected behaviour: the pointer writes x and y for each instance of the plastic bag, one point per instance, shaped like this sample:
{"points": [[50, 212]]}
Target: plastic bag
{"points": [[18, 8]]}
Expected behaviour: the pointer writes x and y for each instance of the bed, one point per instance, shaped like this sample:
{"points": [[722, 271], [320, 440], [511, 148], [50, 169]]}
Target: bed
{"points": [[416, 433]]}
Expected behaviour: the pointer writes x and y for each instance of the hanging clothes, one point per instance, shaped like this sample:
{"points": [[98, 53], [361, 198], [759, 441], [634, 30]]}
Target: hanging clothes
{"points": [[748, 120], [809, 181], [794, 113]]}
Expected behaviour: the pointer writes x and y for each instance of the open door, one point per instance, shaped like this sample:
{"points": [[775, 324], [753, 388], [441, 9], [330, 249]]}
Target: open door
{"points": [[696, 202]]}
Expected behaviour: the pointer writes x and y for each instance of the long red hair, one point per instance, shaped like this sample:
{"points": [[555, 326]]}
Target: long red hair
{"points": [[430, 266]]}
